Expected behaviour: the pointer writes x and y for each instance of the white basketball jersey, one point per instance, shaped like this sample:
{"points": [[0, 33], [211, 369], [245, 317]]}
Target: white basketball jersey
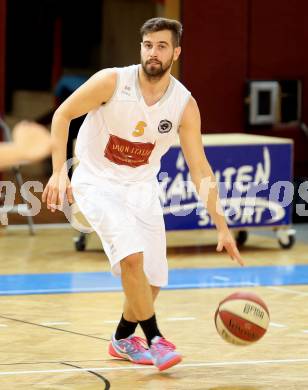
{"points": [[125, 138]]}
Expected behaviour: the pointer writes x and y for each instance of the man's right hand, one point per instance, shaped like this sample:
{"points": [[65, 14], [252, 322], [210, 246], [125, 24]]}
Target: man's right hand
{"points": [[55, 191]]}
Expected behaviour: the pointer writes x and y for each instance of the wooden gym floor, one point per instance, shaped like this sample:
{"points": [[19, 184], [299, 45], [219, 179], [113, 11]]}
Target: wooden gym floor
{"points": [[59, 341]]}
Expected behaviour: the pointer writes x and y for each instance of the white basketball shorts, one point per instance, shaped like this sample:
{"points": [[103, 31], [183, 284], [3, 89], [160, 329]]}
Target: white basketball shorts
{"points": [[128, 218]]}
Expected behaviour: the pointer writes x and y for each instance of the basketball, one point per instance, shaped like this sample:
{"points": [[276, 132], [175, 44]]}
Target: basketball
{"points": [[242, 318]]}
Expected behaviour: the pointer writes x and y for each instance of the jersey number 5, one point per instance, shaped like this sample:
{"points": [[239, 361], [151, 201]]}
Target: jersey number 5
{"points": [[139, 129]]}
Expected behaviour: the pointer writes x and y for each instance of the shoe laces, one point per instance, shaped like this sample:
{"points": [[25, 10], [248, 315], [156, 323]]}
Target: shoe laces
{"points": [[136, 344], [163, 346]]}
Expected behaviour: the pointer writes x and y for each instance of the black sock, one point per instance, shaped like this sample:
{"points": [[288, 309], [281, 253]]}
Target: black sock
{"points": [[125, 329], [150, 328]]}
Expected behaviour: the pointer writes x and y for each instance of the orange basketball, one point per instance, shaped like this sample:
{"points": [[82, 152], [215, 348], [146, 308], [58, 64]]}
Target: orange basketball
{"points": [[242, 318]]}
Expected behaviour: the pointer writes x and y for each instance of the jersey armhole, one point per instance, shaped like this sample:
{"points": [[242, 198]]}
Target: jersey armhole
{"points": [[116, 87], [182, 111]]}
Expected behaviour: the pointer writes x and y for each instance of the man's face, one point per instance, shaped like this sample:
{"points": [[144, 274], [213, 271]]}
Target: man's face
{"points": [[158, 53]]}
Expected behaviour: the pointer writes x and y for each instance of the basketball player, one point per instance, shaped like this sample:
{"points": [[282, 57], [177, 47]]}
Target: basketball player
{"points": [[31, 142], [134, 114]]}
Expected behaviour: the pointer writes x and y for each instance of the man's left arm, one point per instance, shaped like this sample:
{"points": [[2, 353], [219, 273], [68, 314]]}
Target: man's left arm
{"points": [[203, 177]]}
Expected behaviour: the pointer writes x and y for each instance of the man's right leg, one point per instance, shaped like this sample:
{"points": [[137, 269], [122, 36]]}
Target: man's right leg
{"points": [[138, 294], [128, 312], [140, 300], [128, 322], [136, 287], [126, 329]]}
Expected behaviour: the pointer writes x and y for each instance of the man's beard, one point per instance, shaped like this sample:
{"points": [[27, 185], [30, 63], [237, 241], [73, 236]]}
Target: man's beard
{"points": [[157, 71]]}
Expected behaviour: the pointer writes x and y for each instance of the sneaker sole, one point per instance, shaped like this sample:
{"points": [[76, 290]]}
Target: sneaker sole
{"points": [[170, 363], [125, 356]]}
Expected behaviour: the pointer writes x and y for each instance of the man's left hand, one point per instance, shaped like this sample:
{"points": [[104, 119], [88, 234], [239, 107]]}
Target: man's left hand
{"points": [[226, 240]]}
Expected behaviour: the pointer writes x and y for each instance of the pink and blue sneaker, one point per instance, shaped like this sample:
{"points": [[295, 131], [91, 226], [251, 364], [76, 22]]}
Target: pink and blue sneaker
{"points": [[163, 353], [132, 348]]}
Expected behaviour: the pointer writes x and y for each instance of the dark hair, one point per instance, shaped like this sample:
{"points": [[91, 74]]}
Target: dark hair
{"points": [[159, 24]]}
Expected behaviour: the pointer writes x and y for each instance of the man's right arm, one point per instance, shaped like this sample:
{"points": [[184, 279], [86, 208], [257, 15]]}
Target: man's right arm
{"points": [[94, 92]]}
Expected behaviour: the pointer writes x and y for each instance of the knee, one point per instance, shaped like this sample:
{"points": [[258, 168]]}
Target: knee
{"points": [[132, 263]]}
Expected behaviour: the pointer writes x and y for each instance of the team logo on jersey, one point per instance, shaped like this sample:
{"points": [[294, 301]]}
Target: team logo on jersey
{"points": [[139, 129], [164, 126]]}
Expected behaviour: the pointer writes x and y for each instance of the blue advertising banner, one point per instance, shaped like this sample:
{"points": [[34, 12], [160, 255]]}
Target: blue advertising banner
{"points": [[255, 185]]}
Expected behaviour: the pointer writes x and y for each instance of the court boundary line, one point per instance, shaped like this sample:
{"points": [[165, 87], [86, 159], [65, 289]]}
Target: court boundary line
{"points": [[187, 365]]}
